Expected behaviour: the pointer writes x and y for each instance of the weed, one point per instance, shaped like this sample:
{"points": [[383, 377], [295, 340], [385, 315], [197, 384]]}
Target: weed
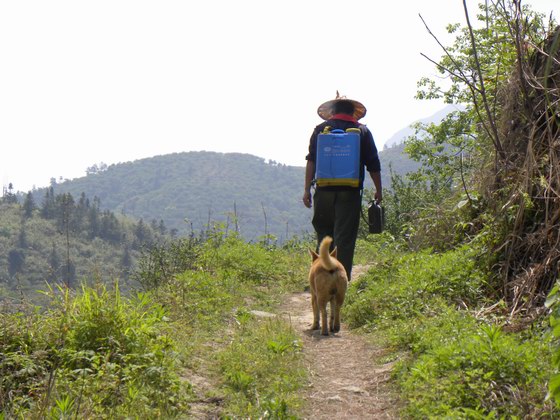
{"points": [[95, 354], [455, 365], [263, 370]]}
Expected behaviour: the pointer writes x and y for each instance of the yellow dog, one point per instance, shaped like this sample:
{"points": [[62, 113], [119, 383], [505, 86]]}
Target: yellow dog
{"points": [[328, 283]]}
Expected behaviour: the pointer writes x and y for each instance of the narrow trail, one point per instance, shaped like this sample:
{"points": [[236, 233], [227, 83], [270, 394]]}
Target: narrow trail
{"points": [[347, 381]]}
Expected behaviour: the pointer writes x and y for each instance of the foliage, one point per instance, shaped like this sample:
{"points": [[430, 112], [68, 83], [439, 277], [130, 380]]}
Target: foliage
{"points": [[553, 302], [455, 359], [480, 373], [159, 263], [227, 273], [495, 156], [263, 370], [91, 355], [191, 191], [418, 283], [226, 278], [67, 241]]}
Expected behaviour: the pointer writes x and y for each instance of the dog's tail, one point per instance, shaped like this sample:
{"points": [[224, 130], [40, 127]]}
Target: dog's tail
{"points": [[328, 262]]}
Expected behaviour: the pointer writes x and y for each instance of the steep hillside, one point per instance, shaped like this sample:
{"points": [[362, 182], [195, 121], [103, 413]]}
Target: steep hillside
{"points": [[67, 242], [189, 190]]}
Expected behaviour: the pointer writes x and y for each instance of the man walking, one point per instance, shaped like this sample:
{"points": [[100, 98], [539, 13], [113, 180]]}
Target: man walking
{"points": [[336, 208]]}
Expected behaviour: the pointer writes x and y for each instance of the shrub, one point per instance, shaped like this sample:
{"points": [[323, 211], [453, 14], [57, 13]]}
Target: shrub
{"points": [[95, 354], [263, 370], [408, 285], [484, 373]]}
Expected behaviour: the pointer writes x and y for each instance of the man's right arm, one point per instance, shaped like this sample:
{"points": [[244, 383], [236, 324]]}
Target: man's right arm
{"points": [[309, 174]]}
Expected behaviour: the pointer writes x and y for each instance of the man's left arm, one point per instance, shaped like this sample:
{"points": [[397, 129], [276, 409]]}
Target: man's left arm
{"points": [[373, 165], [376, 178]]}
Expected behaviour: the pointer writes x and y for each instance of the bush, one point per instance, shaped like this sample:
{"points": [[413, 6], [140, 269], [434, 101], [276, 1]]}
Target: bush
{"points": [[452, 365], [95, 354], [403, 286], [484, 373]]}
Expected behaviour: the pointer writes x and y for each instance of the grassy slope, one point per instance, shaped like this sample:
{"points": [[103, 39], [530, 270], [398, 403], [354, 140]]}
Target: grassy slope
{"points": [[455, 359]]}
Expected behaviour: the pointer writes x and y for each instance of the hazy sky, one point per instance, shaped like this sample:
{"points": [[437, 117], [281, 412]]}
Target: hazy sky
{"points": [[115, 81]]}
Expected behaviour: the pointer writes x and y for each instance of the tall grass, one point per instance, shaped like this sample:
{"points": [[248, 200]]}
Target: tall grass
{"points": [[454, 358], [92, 354]]}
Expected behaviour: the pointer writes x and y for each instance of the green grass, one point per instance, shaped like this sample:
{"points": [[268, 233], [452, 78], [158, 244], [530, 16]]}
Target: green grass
{"points": [[263, 370], [91, 354], [97, 353], [255, 363], [452, 363]]}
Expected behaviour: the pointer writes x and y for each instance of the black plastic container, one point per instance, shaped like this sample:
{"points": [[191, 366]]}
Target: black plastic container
{"points": [[376, 217]]}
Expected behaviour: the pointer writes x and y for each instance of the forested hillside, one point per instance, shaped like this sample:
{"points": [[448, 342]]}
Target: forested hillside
{"points": [[112, 213], [60, 240], [192, 190]]}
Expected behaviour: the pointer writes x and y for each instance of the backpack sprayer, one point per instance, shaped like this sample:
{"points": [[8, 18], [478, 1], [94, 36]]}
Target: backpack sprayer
{"points": [[338, 164]]}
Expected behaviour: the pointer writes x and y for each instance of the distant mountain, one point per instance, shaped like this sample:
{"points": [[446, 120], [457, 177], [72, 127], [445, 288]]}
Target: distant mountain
{"points": [[396, 160], [401, 135], [192, 190]]}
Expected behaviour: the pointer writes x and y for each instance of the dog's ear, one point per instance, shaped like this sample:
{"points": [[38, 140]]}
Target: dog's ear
{"points": [[333, 252], [313, 254]]}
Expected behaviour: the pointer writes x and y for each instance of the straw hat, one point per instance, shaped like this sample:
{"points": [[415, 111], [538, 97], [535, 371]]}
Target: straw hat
{"points": [[326, 110]]}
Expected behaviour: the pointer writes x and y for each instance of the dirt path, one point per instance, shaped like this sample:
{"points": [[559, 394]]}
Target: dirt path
{"points": [[347, 381]]}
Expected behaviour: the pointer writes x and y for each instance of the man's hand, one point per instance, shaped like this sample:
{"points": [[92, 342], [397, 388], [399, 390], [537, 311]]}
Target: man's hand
{"points": [[376, 178], [307, 199]]}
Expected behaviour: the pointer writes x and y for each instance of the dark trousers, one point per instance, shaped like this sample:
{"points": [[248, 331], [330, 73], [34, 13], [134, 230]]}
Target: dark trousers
{"points": [[337, 214]]}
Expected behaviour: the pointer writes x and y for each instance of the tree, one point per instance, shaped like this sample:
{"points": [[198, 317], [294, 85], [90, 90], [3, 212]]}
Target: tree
{"points": [[93, 220], [68, 271], [54, 264], [9, 196], [48, 206], [502, 145], [22, 237], [126, 261], [16, 259], [161, 227], [29, 205], [95, 168], [142, 233]]}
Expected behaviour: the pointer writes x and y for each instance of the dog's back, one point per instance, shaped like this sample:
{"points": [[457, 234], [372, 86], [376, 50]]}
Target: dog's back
{"points": [[328, 282]]}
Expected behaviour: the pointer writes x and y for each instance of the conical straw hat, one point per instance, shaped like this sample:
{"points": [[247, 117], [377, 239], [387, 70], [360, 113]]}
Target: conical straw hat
{"points": [[326, 110]]}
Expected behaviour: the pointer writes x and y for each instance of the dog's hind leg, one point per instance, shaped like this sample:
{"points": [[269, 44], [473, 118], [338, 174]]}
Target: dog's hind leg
{"points": [[315, 306], [338, 300], [323, 306], [332, 316]]}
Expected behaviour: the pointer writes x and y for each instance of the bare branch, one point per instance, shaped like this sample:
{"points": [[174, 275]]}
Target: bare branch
{"points": [[494, 129]]}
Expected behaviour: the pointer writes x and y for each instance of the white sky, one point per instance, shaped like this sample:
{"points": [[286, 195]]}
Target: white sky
{"points": [[83, 82]]}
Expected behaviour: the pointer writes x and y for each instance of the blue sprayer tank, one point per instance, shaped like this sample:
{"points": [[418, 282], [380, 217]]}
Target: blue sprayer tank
{"points": [[338, 158]]}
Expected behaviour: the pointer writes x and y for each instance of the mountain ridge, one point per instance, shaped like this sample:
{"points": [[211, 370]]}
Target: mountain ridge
{"points": [[192, 190]]}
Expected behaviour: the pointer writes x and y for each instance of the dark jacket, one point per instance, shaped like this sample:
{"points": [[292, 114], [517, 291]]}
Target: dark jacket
{"points": [[368, 152]]}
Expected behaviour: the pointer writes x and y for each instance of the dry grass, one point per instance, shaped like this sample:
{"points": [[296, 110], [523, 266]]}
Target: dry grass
{"points": [[528, 181]]}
